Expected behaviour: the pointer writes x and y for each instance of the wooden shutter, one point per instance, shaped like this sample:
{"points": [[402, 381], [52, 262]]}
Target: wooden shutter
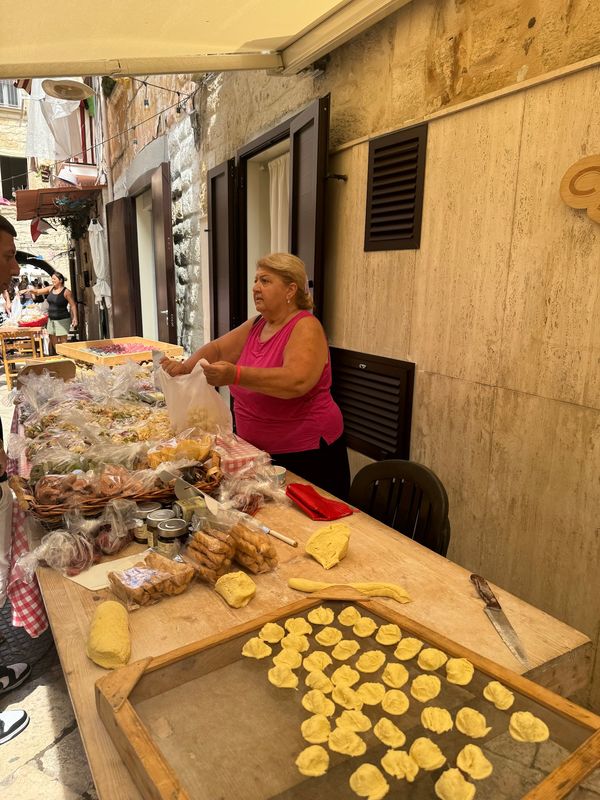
{"points": [[309, 133], [224, 286], [124, 270], [164, 267], [395, 190], [375, 396]]}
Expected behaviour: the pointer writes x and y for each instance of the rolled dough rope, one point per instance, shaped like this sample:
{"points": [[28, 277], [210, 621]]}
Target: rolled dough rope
{"points": [[374, 589]]}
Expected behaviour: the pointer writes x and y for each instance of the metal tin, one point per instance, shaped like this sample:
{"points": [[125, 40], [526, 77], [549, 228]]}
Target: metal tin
{"points": [[146, 507], [185, 509], [173, 528], [160, 515]]}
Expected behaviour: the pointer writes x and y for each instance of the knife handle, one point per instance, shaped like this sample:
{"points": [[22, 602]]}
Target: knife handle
{"points": [[485, 592]]}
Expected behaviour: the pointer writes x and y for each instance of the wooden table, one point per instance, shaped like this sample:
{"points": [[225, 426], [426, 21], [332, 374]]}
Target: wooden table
{"points": [[443, 598], [26, 344]]}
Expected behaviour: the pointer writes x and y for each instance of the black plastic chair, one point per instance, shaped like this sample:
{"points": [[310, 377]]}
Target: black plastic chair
{"points": [[408, 497]]}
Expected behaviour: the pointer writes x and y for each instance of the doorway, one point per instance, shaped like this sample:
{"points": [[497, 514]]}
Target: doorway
{"points": [[147, 270]]}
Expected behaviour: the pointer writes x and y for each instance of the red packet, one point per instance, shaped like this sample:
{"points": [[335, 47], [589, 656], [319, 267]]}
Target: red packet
{"points": [[314, 504]]}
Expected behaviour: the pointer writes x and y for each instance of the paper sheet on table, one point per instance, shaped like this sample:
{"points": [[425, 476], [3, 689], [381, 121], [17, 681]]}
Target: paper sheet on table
{"points": [[96, 577]]}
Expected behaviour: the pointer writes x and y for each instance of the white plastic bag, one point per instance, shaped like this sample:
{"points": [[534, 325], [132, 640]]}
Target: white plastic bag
{"points": [[193, 403]]}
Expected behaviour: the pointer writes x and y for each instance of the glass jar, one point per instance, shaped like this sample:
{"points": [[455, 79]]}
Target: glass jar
{"points": [[153, 520]]}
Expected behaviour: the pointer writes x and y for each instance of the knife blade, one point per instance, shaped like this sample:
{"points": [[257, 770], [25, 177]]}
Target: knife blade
{"points": [[499, 620]]}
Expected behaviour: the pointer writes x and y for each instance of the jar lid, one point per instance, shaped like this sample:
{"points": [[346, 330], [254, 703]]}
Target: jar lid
{"points": [[177, 526], [154, 517], [147, 506]]}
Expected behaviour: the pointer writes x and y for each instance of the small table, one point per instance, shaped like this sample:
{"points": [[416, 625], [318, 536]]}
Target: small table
{"points": [[19, 345]]}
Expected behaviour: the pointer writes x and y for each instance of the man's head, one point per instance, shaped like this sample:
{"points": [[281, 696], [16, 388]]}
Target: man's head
{"points": [[9, 267]]}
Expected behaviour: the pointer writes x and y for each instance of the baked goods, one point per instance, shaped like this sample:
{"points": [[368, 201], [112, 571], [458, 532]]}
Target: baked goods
{"points": [[253, 550], [150, 580], [211, 551]]}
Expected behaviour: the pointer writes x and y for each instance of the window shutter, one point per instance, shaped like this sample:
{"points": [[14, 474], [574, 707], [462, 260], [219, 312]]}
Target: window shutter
{"points": [[395, 190]]}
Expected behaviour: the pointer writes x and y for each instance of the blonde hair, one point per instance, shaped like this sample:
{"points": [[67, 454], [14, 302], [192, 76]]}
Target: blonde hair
{"points": [[290, 269]]}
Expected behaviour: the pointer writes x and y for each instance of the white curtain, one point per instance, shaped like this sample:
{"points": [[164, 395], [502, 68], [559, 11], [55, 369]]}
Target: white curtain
{"points": [[53, 130], [279, 202], [99, 252]]}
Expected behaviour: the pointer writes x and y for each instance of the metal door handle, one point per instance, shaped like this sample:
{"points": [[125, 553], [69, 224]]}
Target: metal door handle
{"points": [[166, 311]]}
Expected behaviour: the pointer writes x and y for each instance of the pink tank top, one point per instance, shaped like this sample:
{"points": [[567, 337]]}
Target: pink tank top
{"points": [[277, 425]]}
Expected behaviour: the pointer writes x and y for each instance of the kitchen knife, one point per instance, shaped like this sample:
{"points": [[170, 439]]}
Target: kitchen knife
{"points": [[499, 620]]}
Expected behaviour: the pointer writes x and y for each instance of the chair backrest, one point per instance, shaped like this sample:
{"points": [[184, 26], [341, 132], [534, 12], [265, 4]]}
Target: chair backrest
{"points": [[408, 497]]}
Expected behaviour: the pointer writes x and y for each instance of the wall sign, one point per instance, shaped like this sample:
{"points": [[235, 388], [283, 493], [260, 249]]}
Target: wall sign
{"points": [[580, 186]]}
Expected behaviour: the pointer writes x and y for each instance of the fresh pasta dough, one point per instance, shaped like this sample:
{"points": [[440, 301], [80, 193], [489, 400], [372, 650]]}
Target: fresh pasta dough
{"points": [[346, 697], [389, 734], [400, 764], [459, 671], [345, 675], [321, 616], [298, 626], [364, 627], [329, 545], [313, 761], [451, 785], [395, 675], [472, 723], [347, 742], [427, 754], [395, 702], [295, 641], [370, 661], [271, 632], [328, 636], [525, 727], [368, 781], [371, 693], [388, 634], [472, 761], [408, 648], [431, 658], [288, 658], [318, 680], [316, 702], [499, 695], [282, 677], [436, 719], [425, 687], [256, 648], [345, 649], [349, 616], [316, 729], [318, 659], [355, 720]]}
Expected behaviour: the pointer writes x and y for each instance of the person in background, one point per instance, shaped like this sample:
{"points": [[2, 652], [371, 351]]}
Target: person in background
{"points": [[4, 306], [37, 284], [12, 721], [278, 369], [62, 309]]}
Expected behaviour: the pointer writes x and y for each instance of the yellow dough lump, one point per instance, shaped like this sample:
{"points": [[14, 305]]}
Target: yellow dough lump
{"points": [[400, 765], [271, 632], [389, 734], [329, 545], [256, 648], [371, 693], [295, 641], [472, 761], [408, 648], [425, 687], [328, 636], [459, 671], [347, 742], [388, 634], [354, 720], [316, 702], [313, 761], [368, 781], [525, 727], [316, 729], [236, 588], [346, 675], [451, 785], [287, 658], [346, 697], [395, 675], [431, 658], [282, 677], [345, 649], [321, 616], [349, 616], [109, 643], [499, 695], [472, 723], [436, 719], [318, 659], [370, 661], [364, 627], [427, 754], [395, 702], [298, 625], [318, 680]]}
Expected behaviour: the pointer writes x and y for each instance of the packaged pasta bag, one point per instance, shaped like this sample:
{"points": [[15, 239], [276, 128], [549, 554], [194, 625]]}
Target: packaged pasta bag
{"points": [[193, 403]]}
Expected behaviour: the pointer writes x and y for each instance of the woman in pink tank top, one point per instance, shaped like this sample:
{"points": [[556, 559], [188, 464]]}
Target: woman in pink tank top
{"points": [[278, 369]]}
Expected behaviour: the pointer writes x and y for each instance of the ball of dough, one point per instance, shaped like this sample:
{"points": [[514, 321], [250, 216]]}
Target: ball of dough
{"points": [[431, 658], [349, 616], [395, 702], [271, 632], [347, 742], [436, 719], [256, 648], [451, 785], [295, 641], [388, 634], [318, 659], [316, 702], [321, 616], [346, 697], [109, 643], [318, 680], [472, 761], [400, 765], [316, 729], [236, 588], [282, 677], [499, 695], [395, 675], [370, 661], [329, 545], [427, 754], [459, 671], [408, 648], [389, 734], [345, 649], [364, 627], [472, 723], [346, 675], [313, 761], [287, 658], [525, 727], [298, 625], [328, 636], [354, 720], [425, 687], [368, 781], [371, 693]]}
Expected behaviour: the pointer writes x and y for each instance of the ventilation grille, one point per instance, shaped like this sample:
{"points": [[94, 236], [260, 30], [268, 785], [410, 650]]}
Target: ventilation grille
{"points": [[375, 396], [395, 190]]}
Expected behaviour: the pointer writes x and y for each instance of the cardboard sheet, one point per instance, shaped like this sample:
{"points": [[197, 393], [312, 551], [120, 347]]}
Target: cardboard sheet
{"points": [[96, 577]]}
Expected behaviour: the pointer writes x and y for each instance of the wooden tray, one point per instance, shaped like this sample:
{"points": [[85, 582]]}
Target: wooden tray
{"points": [[80, 352], [203, 722]]}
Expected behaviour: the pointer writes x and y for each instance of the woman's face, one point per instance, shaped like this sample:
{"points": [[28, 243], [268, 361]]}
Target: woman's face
{"points": [[270, 292], [55, 281]]}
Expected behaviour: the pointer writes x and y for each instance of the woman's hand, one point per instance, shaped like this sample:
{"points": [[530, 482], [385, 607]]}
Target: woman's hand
{"points": [[174, 368], [221, 373]]}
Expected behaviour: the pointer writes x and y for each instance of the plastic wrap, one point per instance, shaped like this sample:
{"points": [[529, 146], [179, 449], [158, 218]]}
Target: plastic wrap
{"points": [[151, 580], [249, 491], [180, 448], [109, 532], [211, 549], [113, 481], [64, 551], [192, 403]]}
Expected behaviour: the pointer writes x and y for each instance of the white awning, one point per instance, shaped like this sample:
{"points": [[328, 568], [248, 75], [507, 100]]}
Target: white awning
{"points": [[137, 37]]}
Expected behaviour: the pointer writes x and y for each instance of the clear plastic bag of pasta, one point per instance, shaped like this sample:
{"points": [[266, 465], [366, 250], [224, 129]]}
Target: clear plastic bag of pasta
{"points": [[193, 403]]}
